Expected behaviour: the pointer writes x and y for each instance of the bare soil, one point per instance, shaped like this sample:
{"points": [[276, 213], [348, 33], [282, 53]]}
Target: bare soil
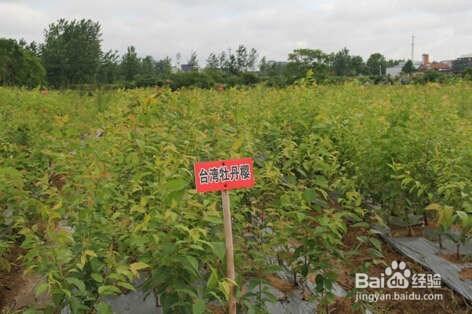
{"points": [[451, 303], [466, 274], [416, 231], [17, 288]]}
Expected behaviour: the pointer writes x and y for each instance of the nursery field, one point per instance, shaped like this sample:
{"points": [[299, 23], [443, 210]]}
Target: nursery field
{"points": [[96, 190]]}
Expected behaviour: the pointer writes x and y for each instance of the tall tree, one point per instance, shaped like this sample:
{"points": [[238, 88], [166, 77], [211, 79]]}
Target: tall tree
{"points": [[263, 65], [193, 61], [241, 58], [408, 67], [34, 48], [178, 59], [376, 64], [231, 63], [303, 59], [148, 66], [309, 57], [130, 64], [19, 66], [212, 62], [71, 52], [342, 63], [109, 69], [358, 66], [222, 60], [252, 59], [163, 67]]}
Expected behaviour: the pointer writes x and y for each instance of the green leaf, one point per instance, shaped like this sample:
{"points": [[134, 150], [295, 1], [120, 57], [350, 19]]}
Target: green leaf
{"points": [[103, 308], [309, 195], [76, 282], [376, 243], [219, 249], [126, 285], [90, 253], [199, 307], [135, 267], [97, 277], [31, 311], [108, 290], [193, 262], [212, 282], [321, 181], [175, 185], [42, 288]]}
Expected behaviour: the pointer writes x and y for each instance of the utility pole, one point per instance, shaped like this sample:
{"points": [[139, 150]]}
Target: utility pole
{"points": [[412, 47]]}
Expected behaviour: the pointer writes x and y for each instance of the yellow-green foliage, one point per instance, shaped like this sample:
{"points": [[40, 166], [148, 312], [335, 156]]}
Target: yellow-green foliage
{"points": [[98, 187]]}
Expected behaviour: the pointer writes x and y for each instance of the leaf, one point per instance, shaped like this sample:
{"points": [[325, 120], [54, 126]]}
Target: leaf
{"points": [[433, 206], [31, 311], [219, 249], [42, 288], [319, 283], [236, 145], [175, 185], [103, 308], [323, 192], [135, 267], [193, 262], [199, 307], [97, 277], [126, 285], [212, 282], [309, 195], [90, 253], [376, 243], [108, 290], [321, 181], [76, 282]]}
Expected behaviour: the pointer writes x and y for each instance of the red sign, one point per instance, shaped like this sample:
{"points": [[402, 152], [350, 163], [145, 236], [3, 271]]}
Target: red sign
{"points": [[224, 175]]}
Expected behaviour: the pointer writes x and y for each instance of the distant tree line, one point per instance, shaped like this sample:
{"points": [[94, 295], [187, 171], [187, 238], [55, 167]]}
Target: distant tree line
{"points": [[72, 55], [19, 66]]}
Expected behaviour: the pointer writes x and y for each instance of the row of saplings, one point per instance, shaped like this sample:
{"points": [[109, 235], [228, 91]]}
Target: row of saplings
{"points": [[448, 223]]}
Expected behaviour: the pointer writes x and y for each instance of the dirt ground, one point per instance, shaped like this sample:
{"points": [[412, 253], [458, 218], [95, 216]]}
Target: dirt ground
{"points": [[451, 303], [17, 288]]}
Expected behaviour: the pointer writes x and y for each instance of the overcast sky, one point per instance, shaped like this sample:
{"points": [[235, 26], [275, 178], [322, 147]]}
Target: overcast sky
{"points": [[162, 28]]}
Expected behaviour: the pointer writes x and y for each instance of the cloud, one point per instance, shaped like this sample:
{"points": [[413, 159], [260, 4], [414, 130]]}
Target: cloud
{"points": [[165, 27]]}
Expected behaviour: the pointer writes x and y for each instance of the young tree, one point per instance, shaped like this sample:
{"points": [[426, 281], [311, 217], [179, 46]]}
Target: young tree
{"points": [[71, 52]]}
